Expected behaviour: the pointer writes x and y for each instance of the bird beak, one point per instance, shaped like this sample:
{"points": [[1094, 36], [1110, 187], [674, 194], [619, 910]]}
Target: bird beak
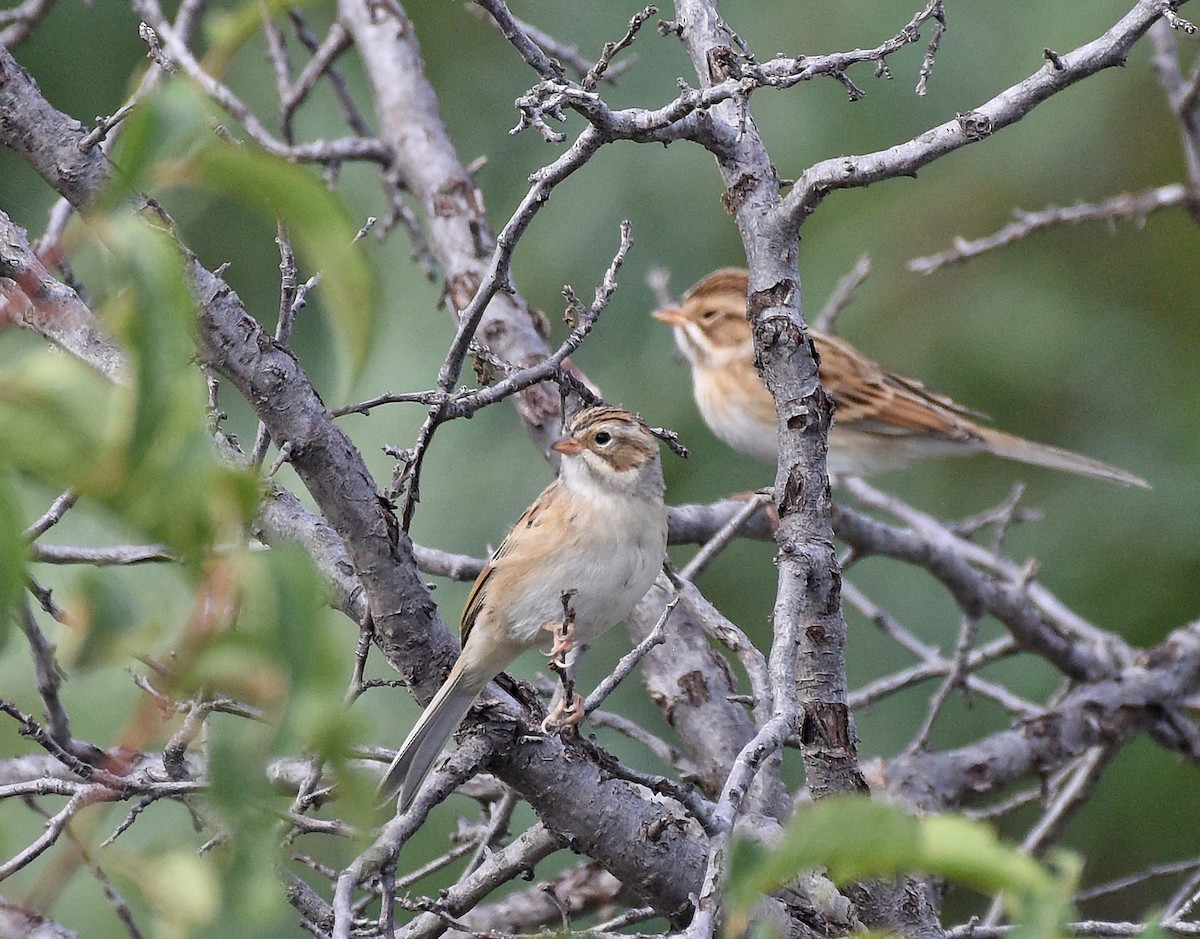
{"points": [[567, 445], [671, 315]]}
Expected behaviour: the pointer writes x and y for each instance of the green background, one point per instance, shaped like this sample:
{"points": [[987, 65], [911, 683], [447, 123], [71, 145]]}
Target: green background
{"points": [[1084, 337]]}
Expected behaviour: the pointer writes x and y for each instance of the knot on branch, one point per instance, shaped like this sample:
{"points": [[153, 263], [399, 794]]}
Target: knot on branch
{"points": [[975, 125], [733, 197], [827, 726], [461, 288], [723, 64], [457, 197], [776, 296]]}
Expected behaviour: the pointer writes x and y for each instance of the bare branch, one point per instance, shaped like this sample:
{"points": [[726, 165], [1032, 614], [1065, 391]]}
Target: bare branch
{"points": [[38, 301], [1109, 711], [54, 829], [724, 535], [1135, 206], [1133, 880], [1003, 110], [1092, 929], [52, 516], [630, 661], [567, 54], [20, 21], [517, 33], [522, 855], [177, 53], [1032, 615], [47, 139], [842, 294], [115, 556]]}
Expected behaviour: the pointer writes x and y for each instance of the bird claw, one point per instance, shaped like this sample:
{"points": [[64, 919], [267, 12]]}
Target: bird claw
{"points": [[563, 715], [564, 641]]}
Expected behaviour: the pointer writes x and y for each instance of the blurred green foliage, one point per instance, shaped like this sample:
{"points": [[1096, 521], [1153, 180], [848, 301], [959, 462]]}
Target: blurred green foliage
{"points": [[12, 554], [1084, 337], [850, 839]]}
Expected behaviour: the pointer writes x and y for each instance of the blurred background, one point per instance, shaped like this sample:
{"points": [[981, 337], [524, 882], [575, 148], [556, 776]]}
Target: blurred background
{"points": [[1084, 337]]}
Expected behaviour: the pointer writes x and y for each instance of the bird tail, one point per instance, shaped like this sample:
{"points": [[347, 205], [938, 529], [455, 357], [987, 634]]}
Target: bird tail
{"points": [[425, 741], [1040, 454]]}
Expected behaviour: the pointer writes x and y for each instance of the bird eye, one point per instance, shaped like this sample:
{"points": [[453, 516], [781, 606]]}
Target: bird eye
{"points": [[709, 315], [604, 438]]}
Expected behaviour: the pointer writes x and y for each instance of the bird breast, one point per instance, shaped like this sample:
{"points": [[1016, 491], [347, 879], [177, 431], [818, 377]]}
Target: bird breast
{"points": [[613, 551], [739, 410]]}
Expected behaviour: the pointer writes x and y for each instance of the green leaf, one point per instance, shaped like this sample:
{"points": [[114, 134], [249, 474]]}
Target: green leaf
{"points": [[239, 752], [154, 314], [103, 613], [248, 812], [142, 450], [968, 852], [56, 417], [318, 225], [284, 616], [183, 889], [855, 838], [171, 143], [288, 655], [171, 483]]}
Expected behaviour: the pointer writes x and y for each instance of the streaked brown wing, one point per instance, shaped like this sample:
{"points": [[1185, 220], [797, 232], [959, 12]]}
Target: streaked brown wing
{"points": [[876, 400], [474, 603], [478, 594]]}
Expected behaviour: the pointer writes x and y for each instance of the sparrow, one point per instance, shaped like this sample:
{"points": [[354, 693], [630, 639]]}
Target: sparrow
{"points": [[882, 421], [597, 534]]}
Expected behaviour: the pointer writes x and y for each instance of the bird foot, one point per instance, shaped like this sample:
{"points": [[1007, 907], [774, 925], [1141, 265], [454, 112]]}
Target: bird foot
{"points": [[564, 715], [564, 641]]}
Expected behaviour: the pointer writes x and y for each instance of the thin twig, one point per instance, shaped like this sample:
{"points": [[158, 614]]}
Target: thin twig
{"points": [[955, 678], [630, 660], [500, 816], [667, 753], [842, 294], [470, 317], [1133, 880], [718, 542], [52, 516], [1135, 206]]}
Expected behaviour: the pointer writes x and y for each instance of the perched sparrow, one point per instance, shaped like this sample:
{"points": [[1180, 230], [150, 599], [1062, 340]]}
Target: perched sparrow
{"points": [[599, 531], [882, 421]]}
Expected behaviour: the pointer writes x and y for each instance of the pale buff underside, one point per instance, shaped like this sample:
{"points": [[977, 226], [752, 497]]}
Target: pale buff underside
{"points": [[610, 551]]}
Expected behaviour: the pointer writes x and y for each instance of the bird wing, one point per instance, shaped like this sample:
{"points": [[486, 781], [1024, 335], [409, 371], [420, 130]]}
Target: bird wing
{"points": [[478, 594], [869, 397]]}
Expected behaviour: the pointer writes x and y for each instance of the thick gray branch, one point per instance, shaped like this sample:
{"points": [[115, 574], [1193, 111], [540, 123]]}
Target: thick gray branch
{"points": [[808, 576], [47, 139], [428, 167], [39, 301], [1105, 713]]}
